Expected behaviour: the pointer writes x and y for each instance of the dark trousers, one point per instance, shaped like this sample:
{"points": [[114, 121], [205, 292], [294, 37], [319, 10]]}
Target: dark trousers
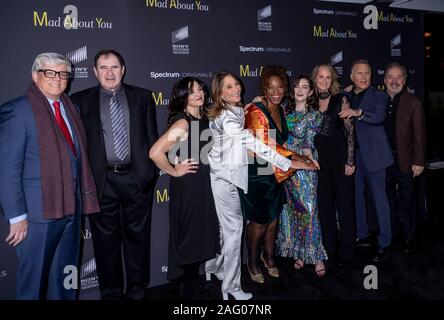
{"points": [[335, 199], [121, 237], [400, 194], [376, 182]]}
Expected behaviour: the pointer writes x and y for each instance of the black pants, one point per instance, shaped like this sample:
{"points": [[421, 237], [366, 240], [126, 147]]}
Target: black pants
{"points": [[400, 194], [121, 237], [336, 195]]}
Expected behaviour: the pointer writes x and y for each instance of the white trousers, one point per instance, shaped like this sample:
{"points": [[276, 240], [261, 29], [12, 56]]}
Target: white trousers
{"points": [[231, 222]]}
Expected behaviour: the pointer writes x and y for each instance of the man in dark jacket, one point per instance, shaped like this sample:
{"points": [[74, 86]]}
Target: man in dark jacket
{"points": [[405, 127]]}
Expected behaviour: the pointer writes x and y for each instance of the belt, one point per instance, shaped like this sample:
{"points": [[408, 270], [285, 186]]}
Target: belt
{"points": [[119, 167]]}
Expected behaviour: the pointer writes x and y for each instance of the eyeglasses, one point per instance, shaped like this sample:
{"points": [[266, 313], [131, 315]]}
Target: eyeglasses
{"points": [[63, 75]]}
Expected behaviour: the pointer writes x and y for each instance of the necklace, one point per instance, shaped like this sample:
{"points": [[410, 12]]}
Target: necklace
{"points": [[324, 95]]}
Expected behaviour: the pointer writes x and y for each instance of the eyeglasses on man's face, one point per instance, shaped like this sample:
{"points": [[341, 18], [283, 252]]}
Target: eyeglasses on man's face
{"points": [[64, 75]]}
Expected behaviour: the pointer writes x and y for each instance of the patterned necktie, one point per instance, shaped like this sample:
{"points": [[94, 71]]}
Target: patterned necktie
{"points": [[118, 127], [63, 127]]}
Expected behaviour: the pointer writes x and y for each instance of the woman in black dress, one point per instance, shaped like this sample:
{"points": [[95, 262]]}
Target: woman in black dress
{"points": [[335, 144], [194, 227]]}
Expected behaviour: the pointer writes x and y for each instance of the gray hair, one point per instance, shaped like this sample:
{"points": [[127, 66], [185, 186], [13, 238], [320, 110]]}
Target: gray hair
{"points": [[361, 61], [396, 65], [50, 58]]}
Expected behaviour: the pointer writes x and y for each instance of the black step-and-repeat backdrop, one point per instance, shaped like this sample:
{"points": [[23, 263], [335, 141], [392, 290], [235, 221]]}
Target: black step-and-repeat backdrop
{"points": [[164, 40]]}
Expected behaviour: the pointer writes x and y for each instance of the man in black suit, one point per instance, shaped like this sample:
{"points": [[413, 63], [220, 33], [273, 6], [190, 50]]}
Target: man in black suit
{"points": [[120, 122]]}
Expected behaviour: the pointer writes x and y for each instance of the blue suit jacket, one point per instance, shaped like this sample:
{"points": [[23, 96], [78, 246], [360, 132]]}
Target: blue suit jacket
{"points": [[370, 132], [20, 189]]}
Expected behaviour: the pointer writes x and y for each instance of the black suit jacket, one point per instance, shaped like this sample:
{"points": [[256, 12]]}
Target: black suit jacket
{"points": [[143, 134]]}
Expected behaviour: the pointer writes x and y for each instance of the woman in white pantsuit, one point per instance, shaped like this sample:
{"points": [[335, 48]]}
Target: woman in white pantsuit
{"points": [[229, 171]]}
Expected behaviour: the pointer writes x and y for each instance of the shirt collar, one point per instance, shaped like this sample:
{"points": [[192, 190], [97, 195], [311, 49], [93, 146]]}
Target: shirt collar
{"points": [[108, 93]]}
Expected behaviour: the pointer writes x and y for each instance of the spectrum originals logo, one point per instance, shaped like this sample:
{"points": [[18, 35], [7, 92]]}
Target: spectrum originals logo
{"points": [[75, 57], [249, 49], [334, 12], [177, 5], [394, 42], [264, 14], [178, 36], [70, 20], [167, 74]]}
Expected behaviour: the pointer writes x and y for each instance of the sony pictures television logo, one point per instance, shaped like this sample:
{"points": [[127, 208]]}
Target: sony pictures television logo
{"points": [[394, 42], [264, 14], [88, 275], [76, 56], [178, 36], [335, 60]]}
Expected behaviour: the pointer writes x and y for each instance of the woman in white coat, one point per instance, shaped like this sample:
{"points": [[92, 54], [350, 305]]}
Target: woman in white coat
{"points": [[229, 172]]}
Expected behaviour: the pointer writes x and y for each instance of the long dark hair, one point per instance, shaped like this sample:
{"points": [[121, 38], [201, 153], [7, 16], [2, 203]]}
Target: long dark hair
{"points": [[310, 100], [179, 97]]}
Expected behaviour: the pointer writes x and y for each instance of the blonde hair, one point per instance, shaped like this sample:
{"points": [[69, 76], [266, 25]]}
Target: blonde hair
{"points": [[335, 87]]}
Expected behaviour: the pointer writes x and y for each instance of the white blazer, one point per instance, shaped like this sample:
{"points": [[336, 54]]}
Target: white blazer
{"points": [[228, 156]]}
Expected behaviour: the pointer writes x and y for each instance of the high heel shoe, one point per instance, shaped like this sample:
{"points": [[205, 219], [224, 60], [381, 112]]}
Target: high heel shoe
{"points": [[320, 269], [273, 272], [298, 264], [259, 278], [238, 295], [218, 275]]}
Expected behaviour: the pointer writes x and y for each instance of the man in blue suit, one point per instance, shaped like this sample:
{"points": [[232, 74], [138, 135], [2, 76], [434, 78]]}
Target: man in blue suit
{"points": [[373, 156], [46, 181]]}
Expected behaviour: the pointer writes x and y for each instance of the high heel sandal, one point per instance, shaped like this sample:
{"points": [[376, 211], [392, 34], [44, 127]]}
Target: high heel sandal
{"points": [[273, 272], [320, 272], [298, 264], [259, 278], [238, 295]]}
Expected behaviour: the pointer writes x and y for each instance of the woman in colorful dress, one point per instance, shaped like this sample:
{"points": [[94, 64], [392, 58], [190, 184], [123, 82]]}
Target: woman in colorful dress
{"points": [[299, 233], [263, 203]]}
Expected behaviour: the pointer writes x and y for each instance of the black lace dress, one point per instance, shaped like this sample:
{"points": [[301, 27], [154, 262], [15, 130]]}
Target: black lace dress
{"points": [[336, 147]]}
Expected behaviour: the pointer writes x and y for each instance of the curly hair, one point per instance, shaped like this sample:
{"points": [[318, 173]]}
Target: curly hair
{"points": [[269, 71]]}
